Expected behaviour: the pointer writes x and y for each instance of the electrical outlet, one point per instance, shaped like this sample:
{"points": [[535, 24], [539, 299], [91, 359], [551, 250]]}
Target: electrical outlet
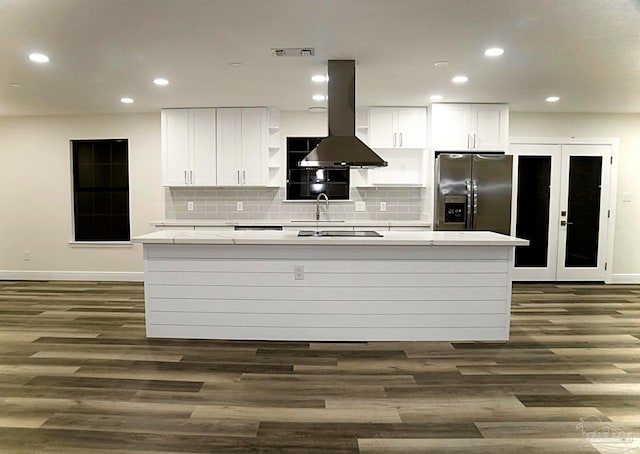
{"points": [[626, 197], [189, 206], [383, 206], [26, 256], [298, 272], [239, 206], [361, 206]]}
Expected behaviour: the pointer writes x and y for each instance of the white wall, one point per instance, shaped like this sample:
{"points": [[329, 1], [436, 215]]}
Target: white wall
{"points": [[36, 211], [36, 198], [626, 127]]}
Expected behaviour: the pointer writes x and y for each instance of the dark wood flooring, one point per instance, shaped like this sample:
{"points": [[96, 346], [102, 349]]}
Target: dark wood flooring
{"points": [[77, 375]]}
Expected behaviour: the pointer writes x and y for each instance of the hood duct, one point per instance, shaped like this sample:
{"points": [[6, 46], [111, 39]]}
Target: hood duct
{"points": [[342, 148]]}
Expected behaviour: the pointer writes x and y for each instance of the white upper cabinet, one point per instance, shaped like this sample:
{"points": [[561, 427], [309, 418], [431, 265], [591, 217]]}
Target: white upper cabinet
{"points": [[188, 147], [243, 146], [398, 127], [481, 127]]}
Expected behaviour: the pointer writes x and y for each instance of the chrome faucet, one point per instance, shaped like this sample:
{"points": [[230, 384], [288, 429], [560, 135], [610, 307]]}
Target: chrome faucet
{"points": [[321, 195]]}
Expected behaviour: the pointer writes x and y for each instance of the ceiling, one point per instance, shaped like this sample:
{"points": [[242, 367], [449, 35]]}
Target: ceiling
{"points": [[585, 51]]}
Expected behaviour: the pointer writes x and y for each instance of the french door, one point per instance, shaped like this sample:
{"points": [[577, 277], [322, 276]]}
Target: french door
{"points": [[561, 207]]}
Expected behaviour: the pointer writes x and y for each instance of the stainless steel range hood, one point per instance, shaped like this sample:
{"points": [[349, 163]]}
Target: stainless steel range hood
{"points": [[342, 148]]}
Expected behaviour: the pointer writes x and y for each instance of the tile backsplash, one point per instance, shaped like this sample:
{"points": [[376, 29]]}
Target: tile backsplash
{"points": [[402, 204]]}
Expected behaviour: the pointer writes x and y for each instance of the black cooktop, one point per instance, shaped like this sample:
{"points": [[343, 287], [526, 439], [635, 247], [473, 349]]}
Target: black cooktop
{"points": [[356, 233]]}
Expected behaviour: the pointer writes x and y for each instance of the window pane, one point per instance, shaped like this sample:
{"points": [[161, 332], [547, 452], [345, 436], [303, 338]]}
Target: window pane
{"points": [[119, 152], [119, 176], [102, 152], [120, 203], [583, 217], [532, 222]]}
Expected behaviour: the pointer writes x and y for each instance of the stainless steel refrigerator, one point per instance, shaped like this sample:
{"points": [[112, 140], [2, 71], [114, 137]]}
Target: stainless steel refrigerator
{"points": [[473, 192]]}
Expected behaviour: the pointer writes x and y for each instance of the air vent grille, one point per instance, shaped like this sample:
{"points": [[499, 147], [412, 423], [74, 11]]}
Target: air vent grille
{"points": [[293, 51]]}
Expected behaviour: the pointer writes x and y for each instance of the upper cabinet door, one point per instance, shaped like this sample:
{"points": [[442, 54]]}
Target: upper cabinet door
{"points": [[175, 147], [412, 127], [255, 151], [398, 127], [382, 127], [477, 127], [229, 146], [243, 146], [490, 124], [451, 126], [203, 146]]}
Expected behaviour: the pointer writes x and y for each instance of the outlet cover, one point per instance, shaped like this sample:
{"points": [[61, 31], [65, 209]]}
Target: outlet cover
{"points": [[626, 197], [239, 206], [361, 206], [189, 206], [298, 272], [383, 206]]}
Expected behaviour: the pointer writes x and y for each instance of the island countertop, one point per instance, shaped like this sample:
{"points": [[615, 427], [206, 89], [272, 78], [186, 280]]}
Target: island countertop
{"points": [[398, 238]]}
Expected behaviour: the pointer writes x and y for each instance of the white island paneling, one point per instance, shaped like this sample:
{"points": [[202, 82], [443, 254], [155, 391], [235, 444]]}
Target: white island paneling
{"points": [[273, 285]]}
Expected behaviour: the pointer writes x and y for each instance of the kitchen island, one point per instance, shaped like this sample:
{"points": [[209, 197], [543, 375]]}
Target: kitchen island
{"points": [[270, 285]]}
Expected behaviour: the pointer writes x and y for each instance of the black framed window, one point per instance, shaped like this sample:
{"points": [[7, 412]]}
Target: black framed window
{"points": [[306, 184], [101, 190]]}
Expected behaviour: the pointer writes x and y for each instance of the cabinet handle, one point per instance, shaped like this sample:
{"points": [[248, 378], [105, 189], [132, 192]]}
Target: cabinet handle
{"points": [[475, 144], [400, 140], [244, 177], [191, 176], [394, 139], [186, 179], [468, 141], [238, 177]]}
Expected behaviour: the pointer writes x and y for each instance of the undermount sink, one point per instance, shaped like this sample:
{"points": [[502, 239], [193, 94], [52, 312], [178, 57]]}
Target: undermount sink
{"points": [[353, 233], [320, 221]]}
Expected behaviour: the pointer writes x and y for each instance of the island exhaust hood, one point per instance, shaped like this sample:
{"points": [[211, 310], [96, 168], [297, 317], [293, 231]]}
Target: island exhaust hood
{"points": [[342, 148]]}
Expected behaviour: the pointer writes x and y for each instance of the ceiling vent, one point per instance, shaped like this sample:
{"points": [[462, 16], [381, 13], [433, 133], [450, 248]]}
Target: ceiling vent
{"points": [[293, 51]]}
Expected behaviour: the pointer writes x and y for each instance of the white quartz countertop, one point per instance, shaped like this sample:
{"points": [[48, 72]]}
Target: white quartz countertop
{"points": [[400, 238], [287, 222]]}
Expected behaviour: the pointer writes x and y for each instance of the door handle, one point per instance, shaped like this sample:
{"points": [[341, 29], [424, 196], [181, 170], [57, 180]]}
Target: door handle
{"points": [[467, 218], [400, 140], [475, 198], [565, 223]]}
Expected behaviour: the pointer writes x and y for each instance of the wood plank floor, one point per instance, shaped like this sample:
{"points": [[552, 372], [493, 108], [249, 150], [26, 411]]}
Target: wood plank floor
{"points": [[77, 375]]}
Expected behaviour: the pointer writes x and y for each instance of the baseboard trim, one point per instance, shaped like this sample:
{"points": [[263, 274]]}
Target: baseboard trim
{"points": [[624, 279], [9, 275]]}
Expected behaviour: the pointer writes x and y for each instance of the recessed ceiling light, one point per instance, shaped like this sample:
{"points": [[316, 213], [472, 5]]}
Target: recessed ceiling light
{"points": [[553, 99], [436, 98], [459, 79], [317, 109], [161, 81], [319, 78], [236, 64], [126, 100], [38, 58], [441, 63], [319, 97], [494, 52], [15, 85]]}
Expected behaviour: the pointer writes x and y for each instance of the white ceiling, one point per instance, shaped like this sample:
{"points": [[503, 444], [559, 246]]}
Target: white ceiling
{"points": [[585, 51]]}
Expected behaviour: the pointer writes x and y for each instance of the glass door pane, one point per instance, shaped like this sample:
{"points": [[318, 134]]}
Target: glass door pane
{"points": [[583, 214], [532, 219]]}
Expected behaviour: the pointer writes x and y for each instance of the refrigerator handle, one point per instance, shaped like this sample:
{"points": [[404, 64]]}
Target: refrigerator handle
{"points": [[475, 202], [468, 218]]}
